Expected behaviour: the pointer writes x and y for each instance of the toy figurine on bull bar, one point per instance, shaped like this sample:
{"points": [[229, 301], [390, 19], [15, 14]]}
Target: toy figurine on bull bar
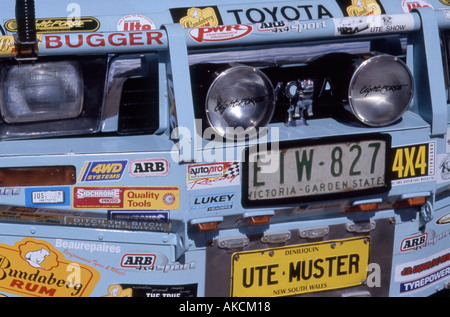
{"points": [[300, 94]]}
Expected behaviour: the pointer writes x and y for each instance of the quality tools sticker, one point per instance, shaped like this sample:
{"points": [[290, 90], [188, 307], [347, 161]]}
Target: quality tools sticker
{"points": [[137, 198]]}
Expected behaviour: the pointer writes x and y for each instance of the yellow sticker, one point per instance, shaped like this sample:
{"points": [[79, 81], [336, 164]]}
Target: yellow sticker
{"points": [[197, 17], [35, 268], [8, 45]]}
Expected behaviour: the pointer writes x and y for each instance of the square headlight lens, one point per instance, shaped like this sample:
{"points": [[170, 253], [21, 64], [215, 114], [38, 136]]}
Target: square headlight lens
{"points": [[41, 92]]}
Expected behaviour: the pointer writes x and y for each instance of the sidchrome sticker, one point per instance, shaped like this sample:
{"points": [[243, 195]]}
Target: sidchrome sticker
{"points": [[300, 269], [136, 198], [35, 268]]}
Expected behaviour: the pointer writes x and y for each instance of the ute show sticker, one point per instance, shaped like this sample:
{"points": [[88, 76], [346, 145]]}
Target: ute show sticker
{"points": [[35, 268], [220, 33], [126, 197]]}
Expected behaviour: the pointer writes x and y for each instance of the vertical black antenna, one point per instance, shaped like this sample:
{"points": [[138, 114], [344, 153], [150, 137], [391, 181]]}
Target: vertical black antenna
{"points": [[26, 41]]}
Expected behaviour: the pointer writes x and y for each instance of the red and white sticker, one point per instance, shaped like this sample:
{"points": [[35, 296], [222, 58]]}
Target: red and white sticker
{"points": [[135, 22], [408, 5], [210, 175], [220, 33]]}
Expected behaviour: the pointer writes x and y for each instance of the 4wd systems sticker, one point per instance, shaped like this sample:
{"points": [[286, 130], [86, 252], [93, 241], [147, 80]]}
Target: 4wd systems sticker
{"points": [[102, 170]]}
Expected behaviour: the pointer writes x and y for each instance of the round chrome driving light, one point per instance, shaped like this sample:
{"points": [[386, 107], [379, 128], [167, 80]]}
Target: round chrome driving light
{"points": [[380, 90], [239, 99]]}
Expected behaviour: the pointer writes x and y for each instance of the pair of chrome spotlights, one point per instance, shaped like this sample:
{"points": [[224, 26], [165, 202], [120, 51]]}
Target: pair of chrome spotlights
{"points": [[379, 92]]}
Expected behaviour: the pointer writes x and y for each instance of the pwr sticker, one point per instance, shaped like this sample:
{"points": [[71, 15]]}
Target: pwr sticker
{"points": [[220, 33]]}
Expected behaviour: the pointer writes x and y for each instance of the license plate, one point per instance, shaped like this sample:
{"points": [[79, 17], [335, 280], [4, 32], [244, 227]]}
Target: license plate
{"points": [[48, 197], [300, 173], [300, 269]]}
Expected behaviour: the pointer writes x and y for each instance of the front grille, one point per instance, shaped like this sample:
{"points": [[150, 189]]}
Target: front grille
{"points": [[139, 109]]}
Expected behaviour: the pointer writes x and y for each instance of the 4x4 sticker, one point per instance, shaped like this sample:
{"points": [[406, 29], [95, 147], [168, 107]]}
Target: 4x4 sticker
{"points": [[413, 163]]}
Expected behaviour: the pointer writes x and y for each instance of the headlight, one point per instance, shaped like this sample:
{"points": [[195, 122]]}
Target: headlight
{"points": [[240, 98], [41, 92], [380, 90]]}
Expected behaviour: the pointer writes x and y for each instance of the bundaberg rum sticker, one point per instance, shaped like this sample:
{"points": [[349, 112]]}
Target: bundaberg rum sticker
{"points": [[35, 268]]}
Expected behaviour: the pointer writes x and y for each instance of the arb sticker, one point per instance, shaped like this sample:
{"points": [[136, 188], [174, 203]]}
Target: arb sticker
{"points": [[149, 167]]}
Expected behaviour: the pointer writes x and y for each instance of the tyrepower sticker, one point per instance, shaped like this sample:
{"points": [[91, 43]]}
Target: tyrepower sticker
{"points": [[220, 33], [126, 197], [422, 273]]}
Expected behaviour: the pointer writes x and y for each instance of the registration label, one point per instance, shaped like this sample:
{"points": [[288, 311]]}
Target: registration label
{"points": [[300, 173], [300, 269]]}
